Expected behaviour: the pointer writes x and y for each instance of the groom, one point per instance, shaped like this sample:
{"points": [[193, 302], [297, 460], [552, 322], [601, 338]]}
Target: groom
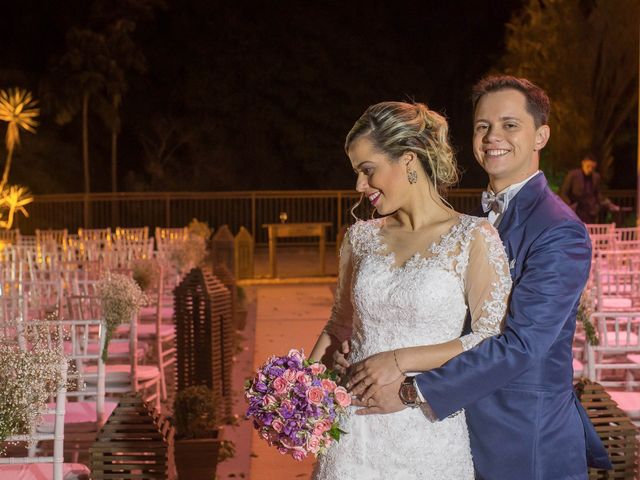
{"points": [[524, 419]]}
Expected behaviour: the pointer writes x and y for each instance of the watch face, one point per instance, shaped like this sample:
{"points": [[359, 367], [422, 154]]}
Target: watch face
{"points": [[408, 393]]}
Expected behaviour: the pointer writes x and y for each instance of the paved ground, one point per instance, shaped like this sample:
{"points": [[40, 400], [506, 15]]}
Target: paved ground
{"points": [[281, 317]]}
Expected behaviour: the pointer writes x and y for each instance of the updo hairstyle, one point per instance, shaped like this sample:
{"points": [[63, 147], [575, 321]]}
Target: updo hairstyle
{"points": [[395, 128]]}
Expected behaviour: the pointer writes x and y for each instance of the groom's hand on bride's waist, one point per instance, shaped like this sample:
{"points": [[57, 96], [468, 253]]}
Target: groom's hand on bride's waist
{"points": [[384, 400]]}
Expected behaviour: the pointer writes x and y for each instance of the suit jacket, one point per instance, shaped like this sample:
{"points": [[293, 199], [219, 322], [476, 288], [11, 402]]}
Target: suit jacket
{"points": [[524, 419]]}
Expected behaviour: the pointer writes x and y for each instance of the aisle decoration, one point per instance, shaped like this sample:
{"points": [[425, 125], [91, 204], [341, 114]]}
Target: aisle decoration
{"points": [[28, 378], [296, 405], [121, 298], [187, 254]]}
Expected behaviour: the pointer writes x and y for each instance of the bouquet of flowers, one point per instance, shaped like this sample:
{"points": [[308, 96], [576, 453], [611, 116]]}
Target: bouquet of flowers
{"points": [[295, 405]]}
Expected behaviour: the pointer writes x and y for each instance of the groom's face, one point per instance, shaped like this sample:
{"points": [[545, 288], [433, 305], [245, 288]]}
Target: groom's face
{"points": [[505, 139]]}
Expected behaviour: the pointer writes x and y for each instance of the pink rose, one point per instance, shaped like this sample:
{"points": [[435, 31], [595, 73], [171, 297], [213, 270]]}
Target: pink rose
{"points": [[326, 425], [317, 368], [277, 425], [283, 450], [328, 385], [269, 400], [322, 426], [342, 396], [313, 444], [298, 454], [289, 375], [315, 395], [286, 403], [280, 385], [304, 378], [264, 434]]}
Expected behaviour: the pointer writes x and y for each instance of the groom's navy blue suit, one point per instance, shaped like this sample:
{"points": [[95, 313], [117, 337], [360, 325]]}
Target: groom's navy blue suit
{"points": [[524, 419]]}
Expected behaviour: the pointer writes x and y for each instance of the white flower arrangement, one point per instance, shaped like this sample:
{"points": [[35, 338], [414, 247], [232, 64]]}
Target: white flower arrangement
{"points": [[28, 378], [121, 298], [188, 254]]}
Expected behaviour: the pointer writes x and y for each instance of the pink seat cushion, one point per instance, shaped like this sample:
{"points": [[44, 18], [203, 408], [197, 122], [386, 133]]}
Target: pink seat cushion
{"points": [[148, 330], [634, 357], [615, 303], [122, 373], [79, 417], [43, 471], [116, 349], [629, 402], [149, 313]]}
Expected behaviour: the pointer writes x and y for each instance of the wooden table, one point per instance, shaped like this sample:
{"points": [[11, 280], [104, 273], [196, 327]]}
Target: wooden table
{"points": [[284, 230]]}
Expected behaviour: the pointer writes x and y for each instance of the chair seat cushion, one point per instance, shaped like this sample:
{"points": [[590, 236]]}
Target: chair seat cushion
{"points": [[629, 402], [116, 349], [117, 374], [43, 471], [80, 417], [146, 330], [149, 313]]}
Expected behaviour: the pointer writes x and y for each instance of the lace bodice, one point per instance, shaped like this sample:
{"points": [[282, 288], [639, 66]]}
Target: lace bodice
{"points": [[424, 301], [380, 306]]}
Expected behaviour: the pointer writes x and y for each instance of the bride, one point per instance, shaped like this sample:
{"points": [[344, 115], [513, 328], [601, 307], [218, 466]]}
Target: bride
{"points": [[406, 281]]}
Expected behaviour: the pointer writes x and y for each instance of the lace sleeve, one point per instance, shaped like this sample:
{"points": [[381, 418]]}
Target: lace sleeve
{"points": [[487, 285], [340, 322]]}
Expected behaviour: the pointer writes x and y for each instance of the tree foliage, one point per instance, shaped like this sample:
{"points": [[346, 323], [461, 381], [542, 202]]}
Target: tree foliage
{"points": [[585, 55]]}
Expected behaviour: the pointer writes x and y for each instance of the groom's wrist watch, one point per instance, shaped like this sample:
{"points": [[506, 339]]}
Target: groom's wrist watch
{"points": [[408, 393]]}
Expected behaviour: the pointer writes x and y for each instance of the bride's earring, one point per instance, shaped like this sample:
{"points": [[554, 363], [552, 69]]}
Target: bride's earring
{"points": [[412, 176]]}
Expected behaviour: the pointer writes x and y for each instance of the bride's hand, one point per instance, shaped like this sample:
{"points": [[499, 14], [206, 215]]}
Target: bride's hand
{"points": [[369, 375], [340, 362]]}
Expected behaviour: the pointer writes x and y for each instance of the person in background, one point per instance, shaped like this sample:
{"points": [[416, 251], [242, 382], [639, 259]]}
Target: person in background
{"points": [[581, 191]]}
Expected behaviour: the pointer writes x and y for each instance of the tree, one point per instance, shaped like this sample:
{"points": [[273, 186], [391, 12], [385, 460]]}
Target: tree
{"points": [[124, 56], [18, 109], [77, 76], [584, 54]]}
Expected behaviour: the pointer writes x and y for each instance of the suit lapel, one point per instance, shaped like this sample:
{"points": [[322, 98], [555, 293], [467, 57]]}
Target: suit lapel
{"points": [[521, 206]]}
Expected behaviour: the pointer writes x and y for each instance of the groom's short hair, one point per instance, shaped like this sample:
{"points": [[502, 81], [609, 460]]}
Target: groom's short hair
{"points": [[538, 104]]}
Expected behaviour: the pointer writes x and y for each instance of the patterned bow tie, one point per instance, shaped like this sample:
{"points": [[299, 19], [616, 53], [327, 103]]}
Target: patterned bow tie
{"points": [[491, 201]]}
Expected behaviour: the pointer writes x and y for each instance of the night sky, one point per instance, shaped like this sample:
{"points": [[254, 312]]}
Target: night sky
{"points": [[253, 95]]}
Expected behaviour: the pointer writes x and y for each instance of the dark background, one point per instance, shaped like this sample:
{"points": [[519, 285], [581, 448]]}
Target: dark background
{"points": [[255, 95]]}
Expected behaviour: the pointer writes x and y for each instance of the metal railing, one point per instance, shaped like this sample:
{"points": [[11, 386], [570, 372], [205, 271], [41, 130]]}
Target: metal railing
{"points": [[249, 209]]}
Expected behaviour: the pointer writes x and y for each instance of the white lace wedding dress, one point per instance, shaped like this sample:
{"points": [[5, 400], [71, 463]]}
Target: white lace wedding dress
{"points": [[381, 307]]}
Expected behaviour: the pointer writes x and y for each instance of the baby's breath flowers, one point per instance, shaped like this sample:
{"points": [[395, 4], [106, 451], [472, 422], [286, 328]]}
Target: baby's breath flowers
{"points": [[28, 378], [188, 254], [121, 298], [145, 273]]}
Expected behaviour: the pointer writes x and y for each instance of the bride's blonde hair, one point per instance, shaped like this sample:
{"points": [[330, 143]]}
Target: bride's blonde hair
{"points": [[398, 127], [395, 128]]}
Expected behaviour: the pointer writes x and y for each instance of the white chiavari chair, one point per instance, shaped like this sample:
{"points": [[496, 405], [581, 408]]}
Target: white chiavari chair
{"points": [[86, 409], [132, 376], [11, 237], [608, 363], [160, 334], [616, 289], [627, 238], [39, 466], [130, 234], [100, 235]]}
